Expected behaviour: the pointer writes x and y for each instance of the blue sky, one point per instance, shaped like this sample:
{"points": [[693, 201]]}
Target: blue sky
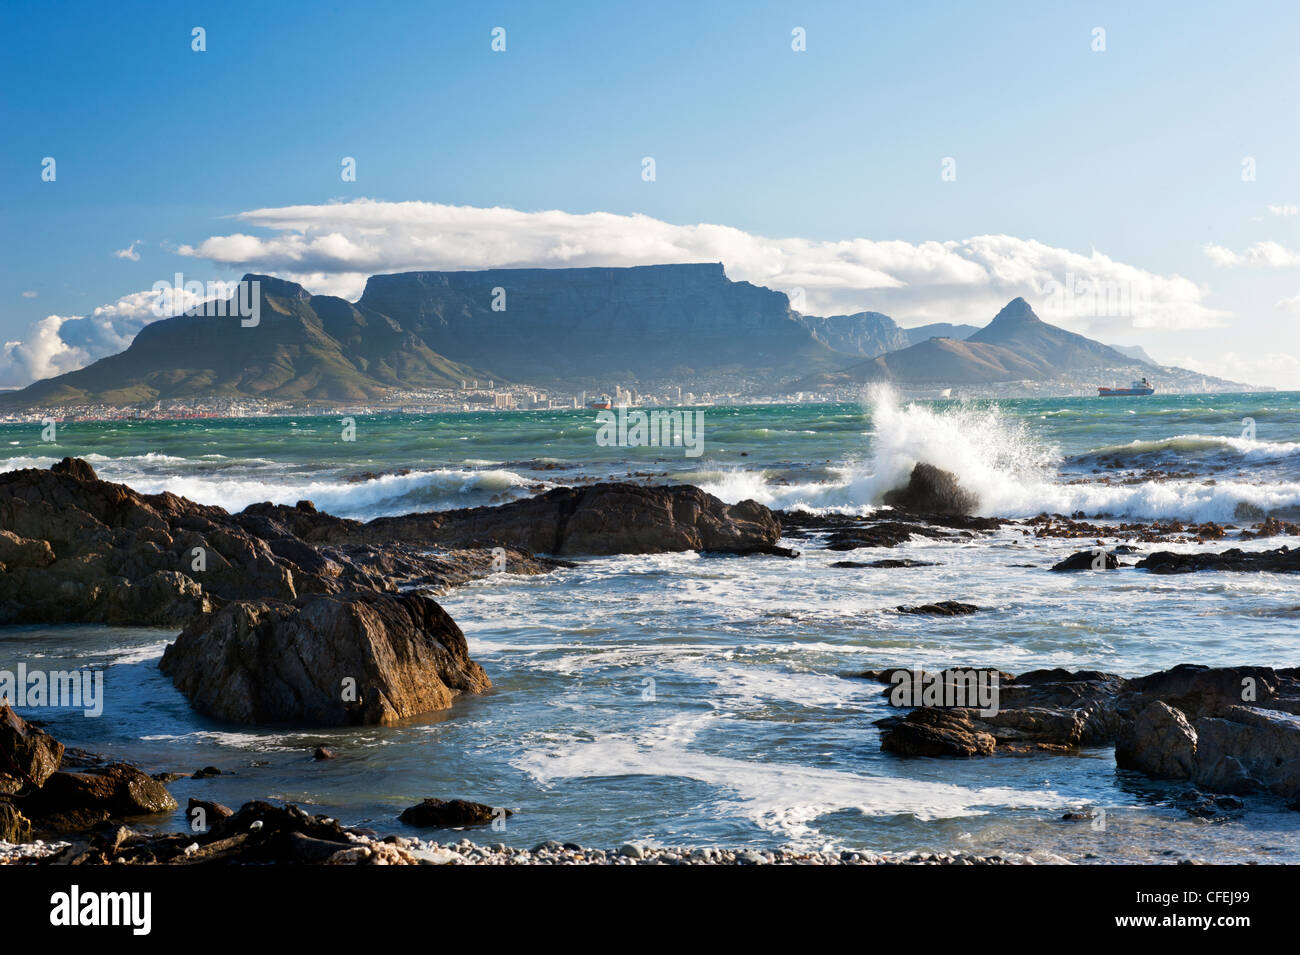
{"points": [[1062, 154]]}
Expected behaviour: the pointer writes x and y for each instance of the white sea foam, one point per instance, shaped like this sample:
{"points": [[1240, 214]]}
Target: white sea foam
{"points": [[779, 797], [996, 457]]}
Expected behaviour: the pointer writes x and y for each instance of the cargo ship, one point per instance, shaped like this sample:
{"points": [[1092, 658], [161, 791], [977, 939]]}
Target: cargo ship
{"points": [[603, 403], [1142, 387]]}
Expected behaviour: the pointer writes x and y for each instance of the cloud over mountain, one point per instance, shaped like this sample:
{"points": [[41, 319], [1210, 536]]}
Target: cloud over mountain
{"points": [[334, 246]]}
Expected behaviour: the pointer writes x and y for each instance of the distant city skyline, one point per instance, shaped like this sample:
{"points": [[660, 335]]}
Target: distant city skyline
{"points": [[1140, 185]]}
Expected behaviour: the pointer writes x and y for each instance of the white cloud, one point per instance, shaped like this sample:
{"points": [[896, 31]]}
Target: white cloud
{"points": [[1291, 304], [1272, 368], [339, 244], [1263, 254], [1285, 209], [129, 252], [29, 294], [56, 344]]}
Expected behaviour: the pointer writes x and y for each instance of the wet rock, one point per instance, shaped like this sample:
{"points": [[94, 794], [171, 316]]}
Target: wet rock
{"points": [[204, 812], [605, 518], [881, 534], [1159, 742], [75, 468], [1246, 749], [449, 813], [353, 659], [70, 800], [206, 772], [945, 608], [76, 549], [323, 752], [28, 754], [932, 490], [929, 731], [14, 826], [1281, 560], [1087, 560]]}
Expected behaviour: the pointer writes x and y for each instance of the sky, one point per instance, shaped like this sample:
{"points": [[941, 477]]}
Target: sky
{"points": [[1132, 170]]}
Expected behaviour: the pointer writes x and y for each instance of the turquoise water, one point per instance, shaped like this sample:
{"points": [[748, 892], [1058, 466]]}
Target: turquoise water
{"points": [[702, 700]]}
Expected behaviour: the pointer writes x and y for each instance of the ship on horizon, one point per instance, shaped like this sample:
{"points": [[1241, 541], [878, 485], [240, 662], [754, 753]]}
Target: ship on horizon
{"points": [[1142, 387]]}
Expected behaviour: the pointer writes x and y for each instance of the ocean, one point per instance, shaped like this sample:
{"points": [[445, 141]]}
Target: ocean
{"points": [[704, 700]]}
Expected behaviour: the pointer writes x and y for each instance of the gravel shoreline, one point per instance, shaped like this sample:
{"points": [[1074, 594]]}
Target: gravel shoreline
{"points": [[399, 850]]}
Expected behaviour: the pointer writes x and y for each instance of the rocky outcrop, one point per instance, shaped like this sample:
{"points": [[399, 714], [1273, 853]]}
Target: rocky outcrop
{"points": [[1038, 711], [1230, 730], [76, 801], [450, 813], [324, 660], [606, 518], [28, 755], [1087, 560], [37, 795], [932, 490], [76, 549], [1280, 560]]}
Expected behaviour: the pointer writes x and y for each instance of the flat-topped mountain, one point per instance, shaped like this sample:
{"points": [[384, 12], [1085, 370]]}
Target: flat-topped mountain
{"points": [[585, 328], [601, 325], [580, 328]]}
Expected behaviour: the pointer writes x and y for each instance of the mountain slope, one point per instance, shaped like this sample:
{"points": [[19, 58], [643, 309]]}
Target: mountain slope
{"points": [[1017, 328], [939, 330], [1016, 347], [867, 334], [304, 346]]}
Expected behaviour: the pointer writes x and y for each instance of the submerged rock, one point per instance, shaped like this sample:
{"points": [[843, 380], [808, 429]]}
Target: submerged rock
{"points": [[944, 608], [449, 813], [324, 660]]}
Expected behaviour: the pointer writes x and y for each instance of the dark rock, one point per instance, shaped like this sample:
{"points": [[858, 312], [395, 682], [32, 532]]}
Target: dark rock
{"points": [[449, 813], [28, 755], [934, 491], [204, 813], [931, 731], [118, 789], [1159, 742], [76, 468], [945, 608], [605, 518], [1087, 560], [880, 534], [323, 752], [1281, 560], [14, 826], [79, 550], [206, 772], [323, 660]]}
